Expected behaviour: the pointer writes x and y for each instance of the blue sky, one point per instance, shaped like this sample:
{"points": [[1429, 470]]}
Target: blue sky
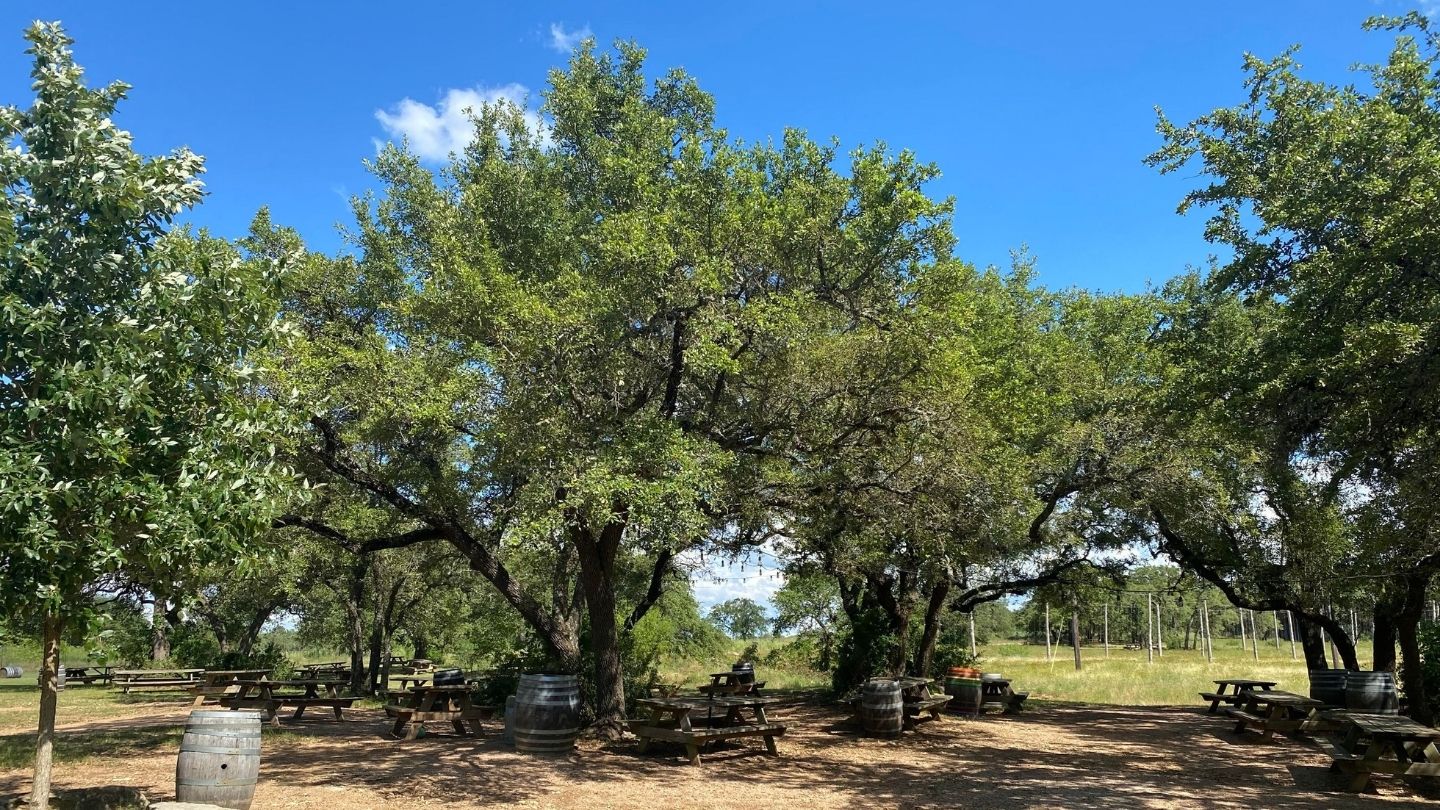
{"points": [[1038, 114]]}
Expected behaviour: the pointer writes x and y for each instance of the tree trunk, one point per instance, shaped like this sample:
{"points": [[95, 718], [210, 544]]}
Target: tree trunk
{"points": [[1312, 643], [51, 627], [355, 623], [262, 614], [1385, 638], [925, 657], [422, 646], [597, 578], [1075, 636], [1407, 626], [163, 620]]}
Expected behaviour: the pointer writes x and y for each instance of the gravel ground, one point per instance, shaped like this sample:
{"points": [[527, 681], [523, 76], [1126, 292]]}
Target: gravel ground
{"points": [[1051, 756]]}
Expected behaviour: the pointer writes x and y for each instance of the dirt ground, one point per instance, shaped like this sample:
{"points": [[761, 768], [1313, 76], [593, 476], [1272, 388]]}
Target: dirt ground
{"points": [[1051, 756]]}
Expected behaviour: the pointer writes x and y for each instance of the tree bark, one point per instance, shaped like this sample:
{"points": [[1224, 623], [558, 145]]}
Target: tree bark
{"points": [[1385, 638], [597, 577], [1312, 643], [925, 656], [355, 622], [51, 627], [251, 634], [1075, 637], [1407, 625]]}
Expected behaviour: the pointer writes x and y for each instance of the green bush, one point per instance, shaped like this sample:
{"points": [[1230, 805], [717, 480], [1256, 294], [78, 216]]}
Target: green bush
{"points": [[864, 651], [802, 652], [952, 655]]}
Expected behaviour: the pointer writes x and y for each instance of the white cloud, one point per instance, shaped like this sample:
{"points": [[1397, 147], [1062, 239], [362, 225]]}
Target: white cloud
{"points": [[436, 131], [565, 41]]}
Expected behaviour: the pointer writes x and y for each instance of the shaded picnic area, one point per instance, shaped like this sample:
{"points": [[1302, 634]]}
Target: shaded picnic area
{"points": [[1060, 754]]}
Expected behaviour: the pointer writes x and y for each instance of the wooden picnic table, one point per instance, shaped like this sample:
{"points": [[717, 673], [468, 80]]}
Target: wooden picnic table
{"points": [[693, 722], [1368, 741], [729, 682], [128, 679], [996, 693], [427, 703], [919, 701], [259, 693], [408, 681], [88, 674], [1276, 710], [216, 682], [1236, 686]]}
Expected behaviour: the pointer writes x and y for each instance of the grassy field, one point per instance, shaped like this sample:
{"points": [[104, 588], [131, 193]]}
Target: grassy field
{"points": [[1126, 678]]}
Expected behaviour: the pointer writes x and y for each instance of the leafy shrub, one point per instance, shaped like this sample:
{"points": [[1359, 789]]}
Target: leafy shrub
{"points": [[952, 655], [864, 651], [802, 652]]}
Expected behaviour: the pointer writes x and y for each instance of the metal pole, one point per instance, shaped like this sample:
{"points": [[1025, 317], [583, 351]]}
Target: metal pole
{"points": [[1107, 629], [1149, 628], [1159, 632], [1254, 636], [1290, 625], [1277, 629], [973, 653], [1048, 655], [1205, 632], [1241, 613]]}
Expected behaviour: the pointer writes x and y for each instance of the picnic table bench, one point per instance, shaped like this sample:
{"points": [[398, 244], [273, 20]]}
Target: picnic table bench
{"points": [[216, 682], [427, 703], [128, 679], [1271, 711], [1238, 686], [1369, 740], [88, 674], [692, 722], [260, 694]]}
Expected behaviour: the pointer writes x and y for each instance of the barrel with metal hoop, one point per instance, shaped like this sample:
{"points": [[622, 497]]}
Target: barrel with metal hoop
{"points": [[219, 761]]}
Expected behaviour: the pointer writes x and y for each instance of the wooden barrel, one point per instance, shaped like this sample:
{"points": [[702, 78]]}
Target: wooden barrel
{"points": [[962, 672], [1328, 687], [219, 759], [1371, 693], [882, 708], [964, 693], [745, 672], [547, 714]]}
